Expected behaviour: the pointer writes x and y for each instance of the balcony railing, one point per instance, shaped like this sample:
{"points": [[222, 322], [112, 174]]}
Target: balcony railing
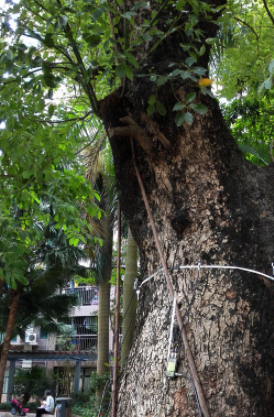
{"points": [[77, 343], [86, 295]]}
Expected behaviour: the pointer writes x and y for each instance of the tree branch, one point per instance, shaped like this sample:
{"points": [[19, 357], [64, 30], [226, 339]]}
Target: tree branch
{"points": [[86, 85], [153, 128], [132, 130], [247, 25], [62, 121], [116, 50], [268, 11]]}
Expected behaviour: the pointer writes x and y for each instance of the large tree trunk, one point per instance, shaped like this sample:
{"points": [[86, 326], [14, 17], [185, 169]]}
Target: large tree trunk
{"points": [[6, 345], [208, 203]]}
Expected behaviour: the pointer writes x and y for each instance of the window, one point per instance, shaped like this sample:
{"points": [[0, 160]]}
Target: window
{"points": [[43, 334]]}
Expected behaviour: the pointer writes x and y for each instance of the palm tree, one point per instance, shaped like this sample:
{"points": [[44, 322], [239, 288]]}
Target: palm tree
{"points": [[100, 173], [129, 297], [51, 266]]}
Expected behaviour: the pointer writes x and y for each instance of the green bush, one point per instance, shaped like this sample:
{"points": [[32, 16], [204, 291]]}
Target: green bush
{"points": [[90, 408], [31, 384], [5, 406]]}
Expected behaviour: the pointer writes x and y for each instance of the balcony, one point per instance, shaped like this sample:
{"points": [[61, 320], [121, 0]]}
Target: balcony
{"points": [[86, 295], [83, 335], [77, 343]]}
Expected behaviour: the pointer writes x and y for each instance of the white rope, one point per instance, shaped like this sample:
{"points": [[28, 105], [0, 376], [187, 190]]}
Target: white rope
{"points": [[226, 267], [199, 266], [150, 277]]}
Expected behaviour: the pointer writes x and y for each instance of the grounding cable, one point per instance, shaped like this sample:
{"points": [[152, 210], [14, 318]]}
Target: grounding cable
{"points": [[253, 271]]}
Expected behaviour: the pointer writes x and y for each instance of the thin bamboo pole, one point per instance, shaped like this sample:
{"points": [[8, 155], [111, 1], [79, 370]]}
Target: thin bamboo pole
{"points": [[116, 330]]}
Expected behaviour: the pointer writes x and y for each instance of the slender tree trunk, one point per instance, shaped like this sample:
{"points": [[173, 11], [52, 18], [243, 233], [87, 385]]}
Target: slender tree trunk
{"points": [[6, 345], [104, 303], [129, 297]]}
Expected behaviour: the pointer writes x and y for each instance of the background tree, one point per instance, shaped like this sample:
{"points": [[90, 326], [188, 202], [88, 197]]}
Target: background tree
{"points": [[50, 267], [100, 174], [129, 297]]}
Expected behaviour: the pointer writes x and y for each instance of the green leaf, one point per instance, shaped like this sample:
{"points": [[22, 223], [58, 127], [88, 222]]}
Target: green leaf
{"points": [[178, 106], [49, 41], [207, 92], [152, 99], [9, 54], [271, 67], [132, 60], [211, 41], [202, 50], [199, 108], [180, 5], [199, 70], [268, 84], [188, 118], [161, 80], [179, 118], [96, 195], [160, 108], [93, 40], [190, 61], [120, 71], [190, 97], [51, 110], [62, 21], [129, 72], [150, 109]]}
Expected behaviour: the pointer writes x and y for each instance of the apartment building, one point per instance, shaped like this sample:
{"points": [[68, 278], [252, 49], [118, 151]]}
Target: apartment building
{"points": [[83, 338]]}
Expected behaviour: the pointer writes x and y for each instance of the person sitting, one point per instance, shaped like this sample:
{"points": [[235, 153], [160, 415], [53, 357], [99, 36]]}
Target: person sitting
{"points": [[47, 406]]}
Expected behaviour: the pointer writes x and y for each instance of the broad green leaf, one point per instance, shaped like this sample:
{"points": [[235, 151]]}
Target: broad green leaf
{"points": [[178, 106], [179, 118], [199, 108], [93, 40], [150, 109], [120, 71], [202, 50], [190, 61], [160, 108], [62, 21], [129, 72], [152, 99], [268, 84], [96, 195], [180, 5], [48, 40], [161, 80], [51, 110], [271, 67], [211, 41], [199, 70], [188, 118], [190, 97]]}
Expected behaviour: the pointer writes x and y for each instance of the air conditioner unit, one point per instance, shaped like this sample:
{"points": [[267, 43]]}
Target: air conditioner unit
{"points": [[31, 338]]}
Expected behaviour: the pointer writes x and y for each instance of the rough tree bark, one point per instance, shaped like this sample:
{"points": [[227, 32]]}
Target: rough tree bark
{"points": [[208, 203]]}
